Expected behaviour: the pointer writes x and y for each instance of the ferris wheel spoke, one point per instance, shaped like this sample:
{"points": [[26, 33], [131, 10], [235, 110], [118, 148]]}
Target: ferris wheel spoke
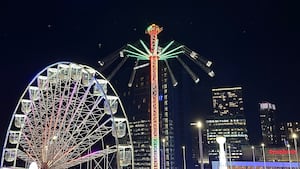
{"points": [[27, 135], [58, 119], [79, 126], [57, 158], [85, 108], [70, 100], [78, 111], [41, 121], [25, 156], [59, 111], [31, 152], [56, 132], [48, 102], [91, 156], [63, 97], [76, 150], [54, 109], [84, 137], [40, 128]]}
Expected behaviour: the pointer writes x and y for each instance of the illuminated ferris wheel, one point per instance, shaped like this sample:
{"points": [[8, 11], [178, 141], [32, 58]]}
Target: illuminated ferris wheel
{"points": [[69, 116]]}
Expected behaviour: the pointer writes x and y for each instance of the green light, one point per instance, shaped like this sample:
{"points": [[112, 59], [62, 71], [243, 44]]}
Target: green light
{"points": [[149, 28], [145, 47]]}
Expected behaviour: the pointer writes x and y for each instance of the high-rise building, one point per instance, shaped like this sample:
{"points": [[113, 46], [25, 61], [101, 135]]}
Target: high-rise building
{"points": [[228, 120], [137, 100], [167, 113], [268, 123]]}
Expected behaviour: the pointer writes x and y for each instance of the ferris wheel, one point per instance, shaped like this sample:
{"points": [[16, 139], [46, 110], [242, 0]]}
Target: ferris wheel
{"points": [[69, 116]]}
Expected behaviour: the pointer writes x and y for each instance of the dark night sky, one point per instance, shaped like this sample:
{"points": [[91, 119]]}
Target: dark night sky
{"points": [[253, 44]]}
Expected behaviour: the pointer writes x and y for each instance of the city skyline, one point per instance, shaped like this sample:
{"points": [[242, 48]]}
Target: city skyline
{"points": [[253, 45]]}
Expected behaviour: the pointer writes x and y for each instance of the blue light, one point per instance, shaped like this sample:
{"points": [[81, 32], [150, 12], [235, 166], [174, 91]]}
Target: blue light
{"points": [[160, 97], [215, 164]]}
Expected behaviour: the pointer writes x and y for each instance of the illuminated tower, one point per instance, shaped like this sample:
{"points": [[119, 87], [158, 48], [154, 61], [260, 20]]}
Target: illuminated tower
{"points": [[153, 54], [153, 31]]}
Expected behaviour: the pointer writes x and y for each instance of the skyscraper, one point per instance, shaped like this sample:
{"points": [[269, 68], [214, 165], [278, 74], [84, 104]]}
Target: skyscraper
{"points": [[137, 100], [268, 123], [228, 120]]}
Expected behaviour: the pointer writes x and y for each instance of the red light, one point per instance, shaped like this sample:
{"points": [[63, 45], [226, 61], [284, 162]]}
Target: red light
{"points": [[281, 152]]}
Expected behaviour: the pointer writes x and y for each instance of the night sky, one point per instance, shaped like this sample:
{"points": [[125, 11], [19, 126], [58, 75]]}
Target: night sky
{"points": [[252, 43]]}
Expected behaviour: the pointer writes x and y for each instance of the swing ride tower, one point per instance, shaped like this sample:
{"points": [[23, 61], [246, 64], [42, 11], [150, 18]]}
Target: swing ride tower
{"points": [[153, 31], [150, 56]]}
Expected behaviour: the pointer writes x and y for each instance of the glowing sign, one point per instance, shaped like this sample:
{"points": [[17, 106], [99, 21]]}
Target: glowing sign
{"points": [[281, 152]]}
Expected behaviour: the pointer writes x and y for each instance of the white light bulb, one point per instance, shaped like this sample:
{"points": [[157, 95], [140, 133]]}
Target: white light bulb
{"points": [[33, 165]]}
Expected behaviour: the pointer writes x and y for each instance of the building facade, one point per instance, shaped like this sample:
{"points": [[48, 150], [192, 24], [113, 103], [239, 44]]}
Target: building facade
{"points": [[228, 120], [267, 115], [140, 131], [137, 100]]}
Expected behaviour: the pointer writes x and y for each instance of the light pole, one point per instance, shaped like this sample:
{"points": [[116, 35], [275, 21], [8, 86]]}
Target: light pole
{"points": [[229, 152], [295, 136], [199, 126], [253, 155], [164, 153], [289, 152], [264, 156], [183, 154]]}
